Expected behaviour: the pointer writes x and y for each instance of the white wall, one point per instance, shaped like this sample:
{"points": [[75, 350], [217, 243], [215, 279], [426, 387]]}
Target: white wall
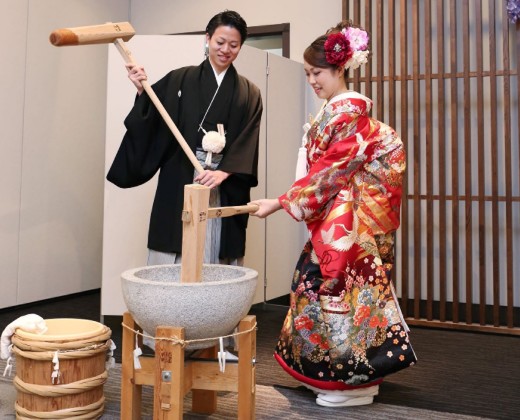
{"points": [[52, 150], [13, 30], [308, 18]]}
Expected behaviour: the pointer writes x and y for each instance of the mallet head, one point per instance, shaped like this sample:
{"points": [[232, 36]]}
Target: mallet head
{"points": [[96, 34]]}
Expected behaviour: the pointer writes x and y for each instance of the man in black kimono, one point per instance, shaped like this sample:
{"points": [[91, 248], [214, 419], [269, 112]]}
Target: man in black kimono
{"points": [[197, 98]]}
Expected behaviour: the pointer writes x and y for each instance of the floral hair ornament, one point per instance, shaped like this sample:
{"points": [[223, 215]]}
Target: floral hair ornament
{"points": [[348, 48]]}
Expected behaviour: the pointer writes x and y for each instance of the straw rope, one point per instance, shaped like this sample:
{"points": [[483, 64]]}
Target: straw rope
{"points": [[91, 411], [64, 354], [83, 385], [184, 343], [41, 345]]}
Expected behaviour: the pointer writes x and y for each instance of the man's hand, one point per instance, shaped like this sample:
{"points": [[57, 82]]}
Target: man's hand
{"points": [[211, 179]]}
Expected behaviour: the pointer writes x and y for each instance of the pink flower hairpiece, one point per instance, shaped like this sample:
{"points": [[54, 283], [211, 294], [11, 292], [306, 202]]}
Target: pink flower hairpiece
{"points": [[348, 48]]}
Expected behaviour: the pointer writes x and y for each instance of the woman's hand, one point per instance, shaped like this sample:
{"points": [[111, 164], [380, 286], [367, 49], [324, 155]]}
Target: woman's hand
{"points": [[211, 179], [136, 74], [266, 206]]}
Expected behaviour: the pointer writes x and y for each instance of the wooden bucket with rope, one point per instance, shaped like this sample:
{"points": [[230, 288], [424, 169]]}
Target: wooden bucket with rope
{"points": [[60, 374]]}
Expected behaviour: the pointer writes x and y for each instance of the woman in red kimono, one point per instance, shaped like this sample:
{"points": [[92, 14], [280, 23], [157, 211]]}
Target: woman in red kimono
{"points": [[344, 330]]}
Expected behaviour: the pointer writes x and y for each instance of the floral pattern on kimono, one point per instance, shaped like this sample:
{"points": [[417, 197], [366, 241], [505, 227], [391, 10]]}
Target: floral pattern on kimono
{"points": [[344, 328]]}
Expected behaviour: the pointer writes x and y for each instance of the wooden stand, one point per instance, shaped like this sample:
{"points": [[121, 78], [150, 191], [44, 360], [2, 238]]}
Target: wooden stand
{"points": [[173, 377]]}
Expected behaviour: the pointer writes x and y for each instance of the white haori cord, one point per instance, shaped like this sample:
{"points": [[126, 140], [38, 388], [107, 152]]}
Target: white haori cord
{"points": [[213, 141]]}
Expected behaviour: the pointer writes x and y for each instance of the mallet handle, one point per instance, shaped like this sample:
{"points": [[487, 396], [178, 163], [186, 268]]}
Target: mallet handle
{"points": [[127, 55], [231, 210], [214, 212]]}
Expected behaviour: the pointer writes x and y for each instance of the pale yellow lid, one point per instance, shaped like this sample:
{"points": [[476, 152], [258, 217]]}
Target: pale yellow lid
{"points": [[63, 329]]}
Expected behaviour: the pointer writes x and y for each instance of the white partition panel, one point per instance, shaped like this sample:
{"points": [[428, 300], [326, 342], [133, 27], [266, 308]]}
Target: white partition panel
{"points": [[252, 63], [285, 118]]}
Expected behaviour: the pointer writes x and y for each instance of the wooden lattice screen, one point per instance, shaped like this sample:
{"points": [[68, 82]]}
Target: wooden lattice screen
{"points": [[444, 73]]}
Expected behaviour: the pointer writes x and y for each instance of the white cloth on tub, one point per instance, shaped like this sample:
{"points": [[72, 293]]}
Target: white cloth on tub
{"points": [[30, 323]]}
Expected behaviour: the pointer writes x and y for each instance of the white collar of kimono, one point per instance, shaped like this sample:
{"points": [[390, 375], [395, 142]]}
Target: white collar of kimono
{"points": [[340, 97], [220, 76], [344, 95], [336, 98]]}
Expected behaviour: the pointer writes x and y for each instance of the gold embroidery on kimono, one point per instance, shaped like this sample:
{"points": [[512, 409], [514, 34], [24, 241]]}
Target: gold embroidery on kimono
{"points": [[344, 327]]}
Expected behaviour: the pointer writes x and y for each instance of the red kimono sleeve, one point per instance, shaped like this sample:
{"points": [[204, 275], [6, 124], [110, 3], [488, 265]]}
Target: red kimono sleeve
{"points": [[350, 142]]}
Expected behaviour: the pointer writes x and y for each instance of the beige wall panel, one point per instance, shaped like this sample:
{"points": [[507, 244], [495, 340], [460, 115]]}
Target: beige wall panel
{"points": [[308, 18], [285, 118], [252, 63], [13, 32], [63, 155]]}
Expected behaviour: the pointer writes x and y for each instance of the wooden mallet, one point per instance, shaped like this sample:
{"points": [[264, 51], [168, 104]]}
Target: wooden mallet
{"points": [[194, 217], [118, 33]]}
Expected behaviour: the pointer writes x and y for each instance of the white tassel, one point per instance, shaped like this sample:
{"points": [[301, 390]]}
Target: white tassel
{"points": [[213, 142], [209, 156], [111, 362], [55, 376], [137, 352], [8, 367], [301, 163], [222, 356]]}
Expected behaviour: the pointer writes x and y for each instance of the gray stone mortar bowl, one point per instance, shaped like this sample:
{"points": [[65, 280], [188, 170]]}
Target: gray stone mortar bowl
{"points": [[212, 308]]}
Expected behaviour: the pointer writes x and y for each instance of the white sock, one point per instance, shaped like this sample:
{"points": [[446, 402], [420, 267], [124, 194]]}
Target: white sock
{"points": [[342, 395], [347, 402]]}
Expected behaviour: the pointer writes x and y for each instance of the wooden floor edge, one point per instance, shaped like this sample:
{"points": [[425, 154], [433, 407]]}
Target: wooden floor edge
{"points": [[422, 322]]}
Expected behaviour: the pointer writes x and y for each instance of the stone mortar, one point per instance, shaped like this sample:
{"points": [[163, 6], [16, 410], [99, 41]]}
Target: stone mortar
{"points": [[212, 308]]}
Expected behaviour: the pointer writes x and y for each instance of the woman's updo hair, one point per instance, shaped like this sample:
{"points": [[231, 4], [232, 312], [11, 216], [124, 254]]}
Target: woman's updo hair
{"points": [[228, 18], [315, 54]]}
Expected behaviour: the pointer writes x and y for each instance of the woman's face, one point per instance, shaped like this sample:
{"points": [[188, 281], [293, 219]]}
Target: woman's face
{"points": [[326, 82], [224, 47]]}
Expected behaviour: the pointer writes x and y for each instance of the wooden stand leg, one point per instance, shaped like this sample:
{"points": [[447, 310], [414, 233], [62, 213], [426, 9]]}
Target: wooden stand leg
{"points": [[172, 377], [131, 393], [205, 401], [246, 369], [169, 375]]}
